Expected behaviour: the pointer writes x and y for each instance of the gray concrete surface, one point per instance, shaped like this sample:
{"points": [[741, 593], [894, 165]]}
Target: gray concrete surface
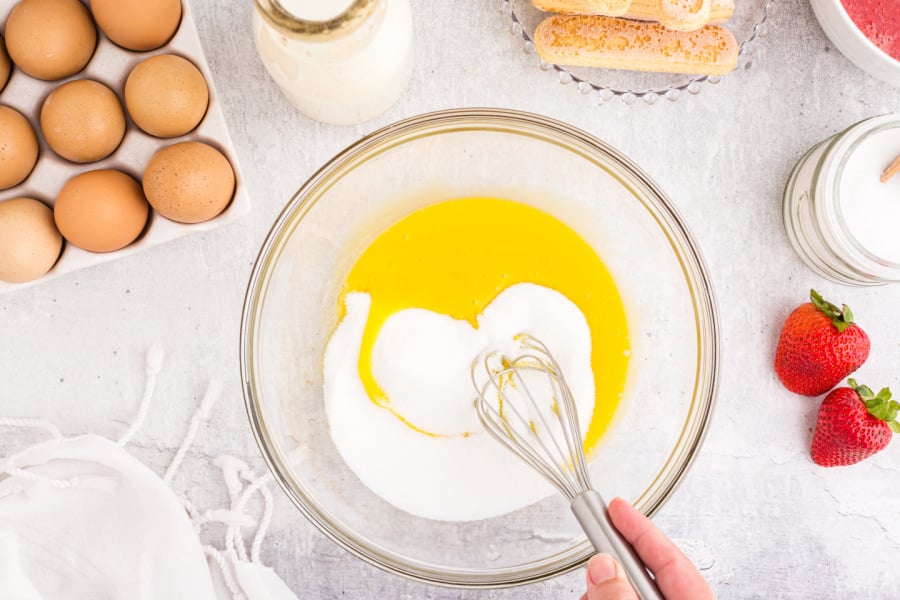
{"points": [[755, 514]]}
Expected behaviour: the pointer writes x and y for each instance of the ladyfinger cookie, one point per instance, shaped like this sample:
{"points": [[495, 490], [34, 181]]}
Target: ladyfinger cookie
{"points": [[609, 8], [610, 43], [648, 10], [639, 10], [683, 15]]}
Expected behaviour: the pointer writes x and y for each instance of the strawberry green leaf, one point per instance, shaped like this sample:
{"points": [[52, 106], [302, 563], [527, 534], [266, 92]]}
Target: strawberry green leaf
{"points": [[841, 318], [875, 403], [848, 314], [879, 406], [879, 410], [892, 410], [895, 426]]}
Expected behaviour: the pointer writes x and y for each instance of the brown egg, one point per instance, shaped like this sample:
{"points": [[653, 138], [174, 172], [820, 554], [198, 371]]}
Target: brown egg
{"points": [[83, 121], [101, 210], [50, 39], [166, 95], [29, 241], [189, 182], [5, 65], [138, 24], [18, 147]]}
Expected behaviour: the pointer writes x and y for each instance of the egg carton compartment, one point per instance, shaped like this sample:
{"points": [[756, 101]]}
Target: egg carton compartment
{"points": [[111, 65]]}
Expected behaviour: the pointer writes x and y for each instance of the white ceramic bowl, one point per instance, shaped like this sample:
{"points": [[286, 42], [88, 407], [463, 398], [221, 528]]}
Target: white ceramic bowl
{"points": [[853, 44]]}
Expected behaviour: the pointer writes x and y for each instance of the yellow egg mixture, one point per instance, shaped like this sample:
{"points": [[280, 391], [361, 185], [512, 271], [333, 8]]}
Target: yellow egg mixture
{"points": [[456, 256]]}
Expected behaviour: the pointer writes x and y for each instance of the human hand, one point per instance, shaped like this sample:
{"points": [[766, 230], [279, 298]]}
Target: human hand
{"points": [[676, 576]]}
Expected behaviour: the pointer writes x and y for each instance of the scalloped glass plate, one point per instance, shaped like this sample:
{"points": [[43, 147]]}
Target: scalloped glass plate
{"points": [[748, 23]]}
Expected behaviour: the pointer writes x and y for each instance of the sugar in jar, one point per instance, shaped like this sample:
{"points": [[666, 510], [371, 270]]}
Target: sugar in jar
{"points": [[338, 61], [842, 204]]}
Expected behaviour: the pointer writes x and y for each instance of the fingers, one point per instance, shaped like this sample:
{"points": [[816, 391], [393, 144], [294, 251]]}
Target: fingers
{"points": [[606, 580], [654, 548], [675, 574]]}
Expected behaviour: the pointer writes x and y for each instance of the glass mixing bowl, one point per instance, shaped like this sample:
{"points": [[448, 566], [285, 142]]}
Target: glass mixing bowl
{"points": [[291, 309]]}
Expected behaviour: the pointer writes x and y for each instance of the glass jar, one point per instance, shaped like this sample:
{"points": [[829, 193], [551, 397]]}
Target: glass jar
{"points": [[343, 69], [840, 216]]}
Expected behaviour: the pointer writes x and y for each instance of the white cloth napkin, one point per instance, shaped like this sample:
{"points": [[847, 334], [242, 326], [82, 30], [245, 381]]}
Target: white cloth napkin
{"points": [[82, 519], [113, 531]]}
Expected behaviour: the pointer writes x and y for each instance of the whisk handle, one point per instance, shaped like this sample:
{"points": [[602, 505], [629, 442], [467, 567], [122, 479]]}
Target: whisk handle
{"points": [[591, 512]]}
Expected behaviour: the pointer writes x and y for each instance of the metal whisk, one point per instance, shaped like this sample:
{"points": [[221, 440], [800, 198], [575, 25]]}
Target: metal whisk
{"points": [[538, 421]]}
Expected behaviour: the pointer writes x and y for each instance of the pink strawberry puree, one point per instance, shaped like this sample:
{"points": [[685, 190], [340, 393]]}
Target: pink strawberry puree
{"points": [[879, 20]]}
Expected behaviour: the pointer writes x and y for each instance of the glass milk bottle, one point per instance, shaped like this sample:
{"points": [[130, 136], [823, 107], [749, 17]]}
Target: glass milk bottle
{"points": [[338, 61]]}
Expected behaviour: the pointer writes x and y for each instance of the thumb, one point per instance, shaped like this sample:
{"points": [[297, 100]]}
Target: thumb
{"points": [[606, 580]]}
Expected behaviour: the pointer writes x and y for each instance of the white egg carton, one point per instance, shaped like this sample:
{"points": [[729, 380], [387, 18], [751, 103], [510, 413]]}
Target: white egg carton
{"points": [[111, 65]]}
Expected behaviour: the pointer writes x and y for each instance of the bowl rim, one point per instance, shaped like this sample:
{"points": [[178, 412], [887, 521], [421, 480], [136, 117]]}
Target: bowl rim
{"points": [[849, 39], [706, 316]]}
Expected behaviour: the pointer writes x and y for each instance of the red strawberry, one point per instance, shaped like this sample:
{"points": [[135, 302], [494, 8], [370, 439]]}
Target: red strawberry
{"points": [[819, 346], [853, 425]]}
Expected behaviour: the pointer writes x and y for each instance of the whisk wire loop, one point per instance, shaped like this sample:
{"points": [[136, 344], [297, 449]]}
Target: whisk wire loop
{"points": [[512, 428], [571, 432], [561, 458], [565, 402], [487, 413], [520, 421]]}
